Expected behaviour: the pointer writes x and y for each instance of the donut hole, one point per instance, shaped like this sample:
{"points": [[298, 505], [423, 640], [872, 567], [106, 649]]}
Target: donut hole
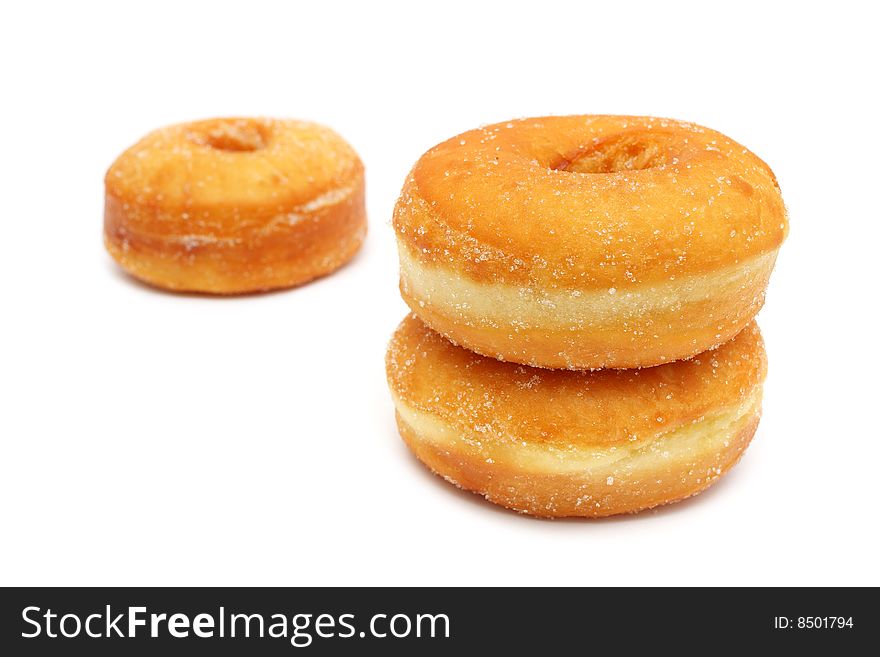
{"points": [[235, 136], [624, 153]]}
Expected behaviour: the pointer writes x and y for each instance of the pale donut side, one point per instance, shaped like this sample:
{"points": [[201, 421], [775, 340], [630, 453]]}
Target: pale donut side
{"points": [[565, 329], [561, 443]]}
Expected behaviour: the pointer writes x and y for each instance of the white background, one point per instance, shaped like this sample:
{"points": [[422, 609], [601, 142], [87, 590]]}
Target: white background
{"points": [[150, 438]]}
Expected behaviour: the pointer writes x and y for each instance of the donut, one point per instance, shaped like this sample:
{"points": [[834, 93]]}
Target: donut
{"points": [[555, 443], [235, 205], [587, 242]]}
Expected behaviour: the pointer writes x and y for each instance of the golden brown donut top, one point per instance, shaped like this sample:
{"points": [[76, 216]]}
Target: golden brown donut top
{"points": [[589, 202], [506, 401], [232, 175]]}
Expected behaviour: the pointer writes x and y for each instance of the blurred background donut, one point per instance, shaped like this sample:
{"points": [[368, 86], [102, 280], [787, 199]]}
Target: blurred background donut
{"points": [[227, 206]]}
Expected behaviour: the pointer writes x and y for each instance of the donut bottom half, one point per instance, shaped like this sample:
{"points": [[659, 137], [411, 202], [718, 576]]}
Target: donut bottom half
{"points": [[276, 257], [637, 326], [535, 481]]}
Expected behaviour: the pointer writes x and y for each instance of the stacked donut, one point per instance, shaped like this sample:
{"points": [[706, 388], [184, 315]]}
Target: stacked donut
{"points": [[583, 291]]}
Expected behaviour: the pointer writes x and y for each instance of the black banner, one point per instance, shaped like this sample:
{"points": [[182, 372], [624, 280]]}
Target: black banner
{"points": [[120, 621]]}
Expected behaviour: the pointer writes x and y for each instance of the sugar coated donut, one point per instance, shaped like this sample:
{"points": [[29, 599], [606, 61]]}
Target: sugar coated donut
{"points": [[563, 443], [228, 206], [588, 241]]}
